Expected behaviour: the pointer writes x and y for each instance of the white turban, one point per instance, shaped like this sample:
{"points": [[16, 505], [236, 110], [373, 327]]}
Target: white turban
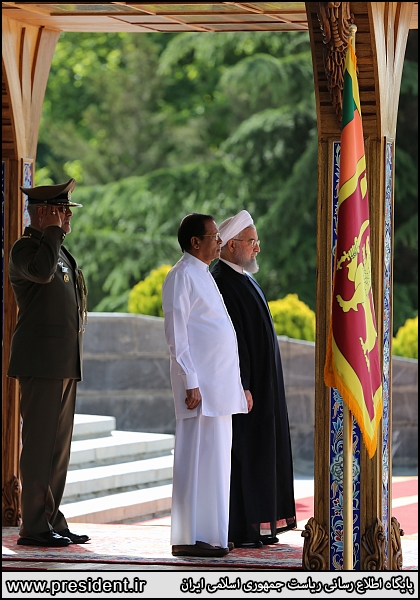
{"points": [[234, 225]]}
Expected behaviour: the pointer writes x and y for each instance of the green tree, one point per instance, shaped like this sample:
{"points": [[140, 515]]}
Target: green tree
{"points": [[126, 229], [154, 126], [99, 113], [288, 235], [406, 229]]}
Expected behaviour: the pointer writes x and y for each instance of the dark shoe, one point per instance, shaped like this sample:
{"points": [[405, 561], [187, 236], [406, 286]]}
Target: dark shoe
{"points": [[74, 537], [199, 549], [267, 541], [48, 538], [231, 546], [250, 544], [183, 550]]}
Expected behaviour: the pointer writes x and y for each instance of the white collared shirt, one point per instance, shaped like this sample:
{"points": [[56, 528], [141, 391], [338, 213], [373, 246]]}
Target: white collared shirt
{"points": [[234, 266]]}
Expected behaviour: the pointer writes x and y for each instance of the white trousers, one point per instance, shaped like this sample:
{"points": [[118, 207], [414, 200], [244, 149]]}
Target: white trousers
{"points": [[201, 480]]}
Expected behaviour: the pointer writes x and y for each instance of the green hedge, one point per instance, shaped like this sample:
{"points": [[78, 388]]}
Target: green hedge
{"points": [[406, 342], [146, 296], [293, 318]]}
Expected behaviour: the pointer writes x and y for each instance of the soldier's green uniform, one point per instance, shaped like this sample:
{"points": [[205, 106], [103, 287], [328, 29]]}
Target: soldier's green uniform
{"points": [[46, 358]]}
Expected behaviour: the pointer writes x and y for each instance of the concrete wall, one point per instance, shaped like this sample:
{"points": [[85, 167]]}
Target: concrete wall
{"points": [[126, 375], [126, 372]]}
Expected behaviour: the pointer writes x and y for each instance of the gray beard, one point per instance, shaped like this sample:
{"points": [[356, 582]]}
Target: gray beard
{"points": [[251, 266]]}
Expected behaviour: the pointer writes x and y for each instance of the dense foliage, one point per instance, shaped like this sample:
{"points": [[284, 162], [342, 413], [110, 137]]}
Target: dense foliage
{"points": [[154, 126]]}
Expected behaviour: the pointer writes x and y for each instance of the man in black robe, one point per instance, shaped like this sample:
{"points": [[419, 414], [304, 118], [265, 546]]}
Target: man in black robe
{"points": [[262, 500]]}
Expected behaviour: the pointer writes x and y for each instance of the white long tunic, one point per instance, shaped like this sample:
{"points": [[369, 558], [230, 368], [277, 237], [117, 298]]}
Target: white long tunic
{"points": [[204, 354], [202, 341]]}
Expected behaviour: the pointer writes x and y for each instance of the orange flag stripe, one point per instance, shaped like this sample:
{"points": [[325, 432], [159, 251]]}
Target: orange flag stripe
{"points": [[352, 140]]}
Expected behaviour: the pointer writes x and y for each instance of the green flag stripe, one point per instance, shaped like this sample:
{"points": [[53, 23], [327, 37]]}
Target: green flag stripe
{"points": [[349, 104]]}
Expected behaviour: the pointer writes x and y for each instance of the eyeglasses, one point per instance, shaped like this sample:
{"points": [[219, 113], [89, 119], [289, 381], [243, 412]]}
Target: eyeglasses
{"points": [[251, 241], [216, 236]]}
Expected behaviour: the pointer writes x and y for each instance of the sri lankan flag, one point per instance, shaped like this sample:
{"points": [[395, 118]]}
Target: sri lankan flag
{"points": [[352, 362]]}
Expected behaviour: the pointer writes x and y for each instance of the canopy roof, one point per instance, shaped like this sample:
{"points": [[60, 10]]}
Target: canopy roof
{"points": [[165, 16]]}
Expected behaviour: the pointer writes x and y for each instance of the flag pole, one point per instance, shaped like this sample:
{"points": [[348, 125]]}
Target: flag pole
{"points": [[347, 490], [348, 451]]}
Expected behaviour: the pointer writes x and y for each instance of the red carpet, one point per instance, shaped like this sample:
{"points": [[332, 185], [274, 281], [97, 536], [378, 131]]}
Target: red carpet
{"points": [[406, 514], [409, 515], [304, 509], [146, 544]]}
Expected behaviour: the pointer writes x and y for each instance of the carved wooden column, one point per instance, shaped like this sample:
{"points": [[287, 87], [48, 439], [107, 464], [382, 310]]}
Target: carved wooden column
{"points": [[27, 55], [389, 26], [382, 29]]}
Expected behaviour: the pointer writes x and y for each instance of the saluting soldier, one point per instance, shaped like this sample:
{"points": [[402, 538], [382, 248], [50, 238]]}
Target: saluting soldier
{"points": [[46, 358]]}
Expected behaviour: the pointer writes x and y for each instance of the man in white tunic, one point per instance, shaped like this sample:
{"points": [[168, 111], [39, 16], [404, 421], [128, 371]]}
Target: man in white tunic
{"points": [[207, 390]]}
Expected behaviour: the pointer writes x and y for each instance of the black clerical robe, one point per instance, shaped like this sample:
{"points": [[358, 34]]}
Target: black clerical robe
{"points": [[262, 493]]}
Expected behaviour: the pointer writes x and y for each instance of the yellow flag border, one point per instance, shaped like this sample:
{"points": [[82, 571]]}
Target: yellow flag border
{"points": [[335, 380]]}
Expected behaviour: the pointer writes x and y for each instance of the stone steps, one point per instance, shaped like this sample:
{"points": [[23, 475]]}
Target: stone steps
{"points": [[119, 446], [92, 426], [116, 476], [119, 508]]}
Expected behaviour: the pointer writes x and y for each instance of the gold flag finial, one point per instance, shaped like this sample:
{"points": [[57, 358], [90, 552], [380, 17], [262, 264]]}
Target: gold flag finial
{"points": [[352, 34]]}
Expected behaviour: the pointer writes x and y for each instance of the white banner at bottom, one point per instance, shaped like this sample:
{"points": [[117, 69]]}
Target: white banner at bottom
{"points": [[207, 584]]}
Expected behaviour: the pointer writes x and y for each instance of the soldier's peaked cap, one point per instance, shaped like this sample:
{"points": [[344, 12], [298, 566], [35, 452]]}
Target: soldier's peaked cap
{"points": [[51, 194]]}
